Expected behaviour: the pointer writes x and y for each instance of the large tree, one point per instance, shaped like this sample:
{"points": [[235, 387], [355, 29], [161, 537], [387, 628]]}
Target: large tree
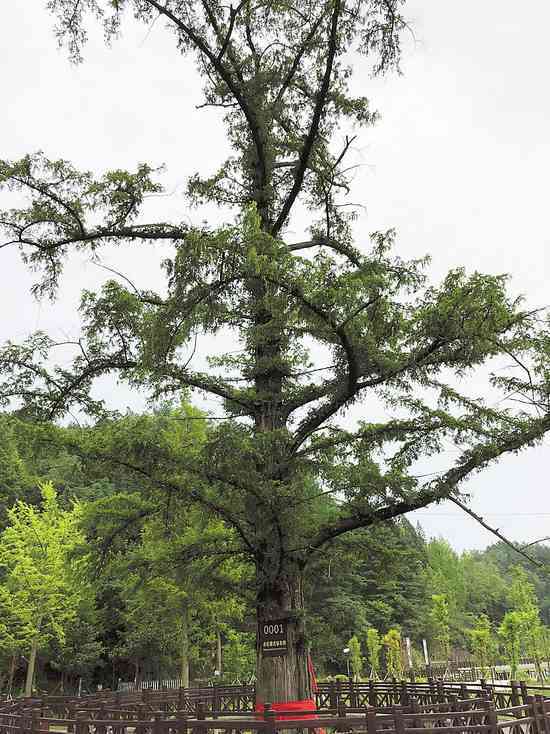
{"points": [[383, 340]]}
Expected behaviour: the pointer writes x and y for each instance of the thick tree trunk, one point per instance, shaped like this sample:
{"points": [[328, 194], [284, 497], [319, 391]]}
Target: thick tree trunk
{"points": [[282, 678], [30, 670], [184, 671]]}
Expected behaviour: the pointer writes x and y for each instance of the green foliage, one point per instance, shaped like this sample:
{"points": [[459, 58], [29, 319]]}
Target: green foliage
{"points": [[482, 643], [394, 660], [15, 482], [373, 577], [440, 623], [355, 658], [374, 645], [510, 632], [44, 588], [239, 655], [524, 602]]}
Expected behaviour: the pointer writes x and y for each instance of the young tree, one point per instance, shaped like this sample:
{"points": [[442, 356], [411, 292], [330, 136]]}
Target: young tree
{"points": [[16, 635], [394, 660], [46, 589], [510, 631], [482, 644], [355, 657], [281, 73], [524, 603], [440, 624], [373, 652]]}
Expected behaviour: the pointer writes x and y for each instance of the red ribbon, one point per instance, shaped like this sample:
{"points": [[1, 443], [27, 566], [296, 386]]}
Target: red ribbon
{"points": [[308, 704]]}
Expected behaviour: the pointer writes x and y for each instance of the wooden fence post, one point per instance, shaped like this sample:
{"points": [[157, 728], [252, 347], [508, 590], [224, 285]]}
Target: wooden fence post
{"points": [[492, 720], [545, 711], [353, 703], [415, 708], [200, 709], [80, 727], [157, 726], [371, 721], [524, 692], [398, 720], [199, 715], [404, 695], [101, 729], [515, 693], [332, 695], [269, 717], [533, 711], [341, 714], [372, 693], [432, 690]]}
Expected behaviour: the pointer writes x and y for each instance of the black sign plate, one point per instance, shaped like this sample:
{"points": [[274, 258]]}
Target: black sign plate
{"points": [[273, 637]]}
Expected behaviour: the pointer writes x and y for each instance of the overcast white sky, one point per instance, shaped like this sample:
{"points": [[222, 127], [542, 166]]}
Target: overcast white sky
{"points": [[459, 164]]}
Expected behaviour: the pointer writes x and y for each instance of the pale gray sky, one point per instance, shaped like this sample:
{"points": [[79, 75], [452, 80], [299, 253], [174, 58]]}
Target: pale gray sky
{"points": [[458, 164]]}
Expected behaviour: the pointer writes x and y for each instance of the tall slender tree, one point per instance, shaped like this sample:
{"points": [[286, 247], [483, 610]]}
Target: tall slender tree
{"points": [[281, 71]]}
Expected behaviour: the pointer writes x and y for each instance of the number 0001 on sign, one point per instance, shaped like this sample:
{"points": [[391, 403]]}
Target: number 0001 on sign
{"points": [[273, 637]]}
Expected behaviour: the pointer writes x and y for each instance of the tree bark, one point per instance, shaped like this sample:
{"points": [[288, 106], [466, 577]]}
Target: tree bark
{"points": [[283, 678], [30, 669], [184, 672]]}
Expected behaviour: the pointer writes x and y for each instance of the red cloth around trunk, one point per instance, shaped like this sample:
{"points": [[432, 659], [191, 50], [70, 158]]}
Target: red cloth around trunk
{"points": [[308, 704]]}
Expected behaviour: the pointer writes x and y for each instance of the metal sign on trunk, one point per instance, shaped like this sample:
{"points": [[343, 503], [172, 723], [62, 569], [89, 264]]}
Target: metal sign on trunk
{"points": [[274, 636]]}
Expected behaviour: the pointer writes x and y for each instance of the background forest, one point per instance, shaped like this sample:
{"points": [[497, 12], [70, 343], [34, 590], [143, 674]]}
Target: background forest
{"points": [[104, 578]]}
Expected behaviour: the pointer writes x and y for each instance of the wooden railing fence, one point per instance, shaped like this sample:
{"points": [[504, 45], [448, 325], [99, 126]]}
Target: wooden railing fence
{"points": [[533, 718], [390, 707]]}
